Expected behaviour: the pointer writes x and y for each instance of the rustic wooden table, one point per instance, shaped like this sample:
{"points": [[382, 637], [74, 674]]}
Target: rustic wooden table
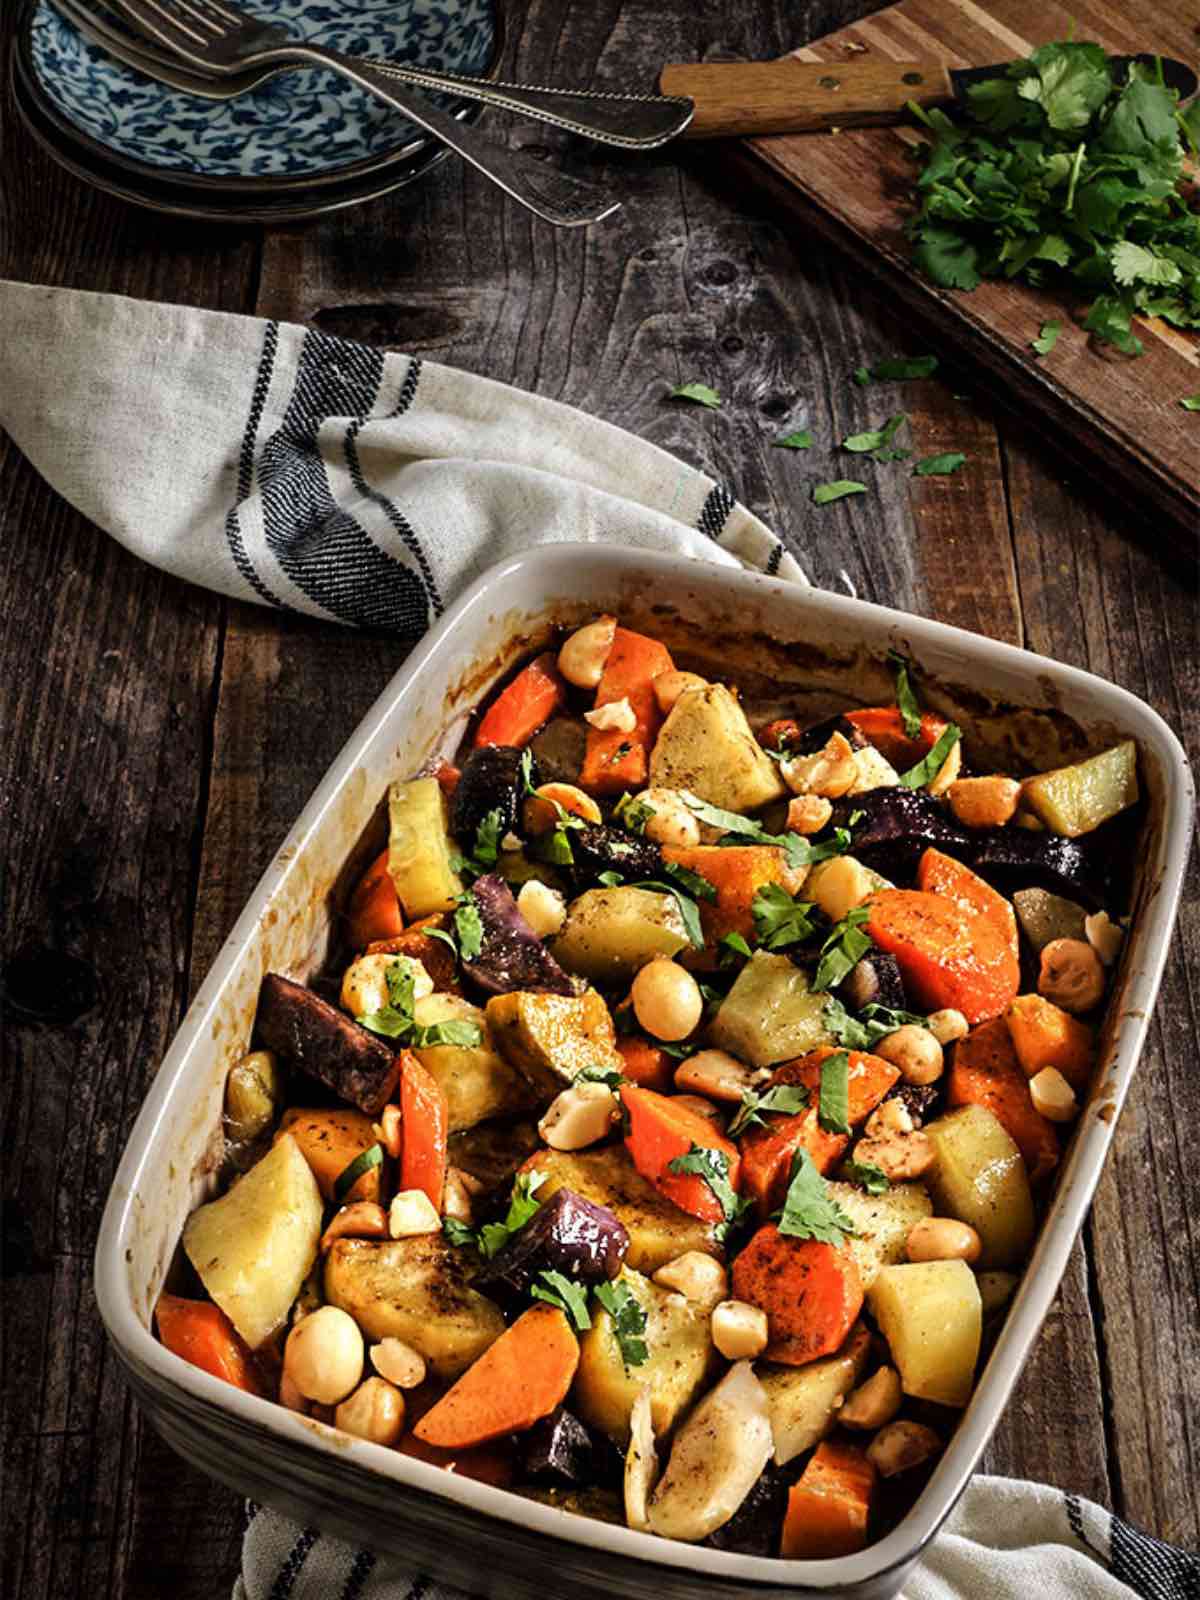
{"points": [[158, 741]]}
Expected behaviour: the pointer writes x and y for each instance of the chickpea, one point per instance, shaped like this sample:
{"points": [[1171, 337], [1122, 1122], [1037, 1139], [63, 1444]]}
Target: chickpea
{"points": [[543, 908], [362, 1219], [582, 657], [1052, 1096], [398, 1362], [943, 1239], [672, 822], [391, 1131], [1071, 975], [915, 1051], [457, 1197], [984, 802], [808, 813], [874, 1402], [541, 809], [668, 686], [666, 1000], [838, 885], [948, 1025], [323, 1356], [696, 1276], [375, 1411], [900, 1446], [718, 1075], [579, 1116], [614, 716], [739, 1330]]}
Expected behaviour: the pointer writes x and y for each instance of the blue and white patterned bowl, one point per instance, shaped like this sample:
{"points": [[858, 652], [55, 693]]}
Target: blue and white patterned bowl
{"points": [[303, 126]]}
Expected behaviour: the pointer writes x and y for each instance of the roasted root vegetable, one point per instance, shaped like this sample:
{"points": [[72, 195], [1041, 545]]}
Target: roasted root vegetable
{"points": [[200, 1332], [810, 1291], [419, 941], [519, 1379], [489, 793], [253, 1247], [511, 956], [331, 1139], [882, 1223], [770, 1014], [374, 909], [803, 1401], [931, 1315], [883, 727], [716, 1459], [1045, 917], [829, 1507], [420, 851], [566, 1234], [706, 747], [895, 826], [648, 1065], [424, 1117], [948, 956], [307, 1032], [1077, 799], [558, 1449], [979, 1177], [611, 933], [663, 1132], [527, 703], [616, 760], [1044, 1035], [476, 1079], [551, 1038], [986, 1072], [253, 1092], [737, 873]]}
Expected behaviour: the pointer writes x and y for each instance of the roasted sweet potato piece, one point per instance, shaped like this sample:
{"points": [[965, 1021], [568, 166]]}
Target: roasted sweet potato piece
{"points": [[1044, 1035], [986, 1072], [810, 1291], [828, 1508]]}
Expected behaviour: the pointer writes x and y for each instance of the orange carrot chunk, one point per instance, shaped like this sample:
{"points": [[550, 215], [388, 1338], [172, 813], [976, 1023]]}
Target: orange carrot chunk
{"points": [[529, 702], [1044, 1035], [986, 1072], [646, 1064], [737, 874], [425, 1125], [201, 1333], [660, 1129], [883, 726], [828, 1507], [515, 1382], [948, 957], [941, 874], [374, 909], [811, 1293], [615, 761]]}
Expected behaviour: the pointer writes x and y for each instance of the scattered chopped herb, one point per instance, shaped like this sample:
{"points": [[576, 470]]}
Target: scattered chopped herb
{"points": [[458, 1233], [939, 466], [929, 766], [688, 909], [365, 1161], [906, 699], [700, 393], [800, 440], [555, 847], [873, 1179], [1047, 339], [780, 920], [628, 1321], [875, 439], [825, 493], [526, 770], [397, 1021], [521, 1207], [1191, 402], [843, 949], [896, 368], [468, 926], [487, 837], [698, 887], [833, 1106], [809, 1210], [713, 1167], [444, 935], [739, 829], [873, 1023], [556, 1289], [631, 814], [785, 1097], [730, 946], [606, 1075]]}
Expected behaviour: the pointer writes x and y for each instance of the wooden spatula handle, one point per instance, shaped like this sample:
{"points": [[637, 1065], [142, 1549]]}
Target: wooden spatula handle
{"points": [[791, 96]]}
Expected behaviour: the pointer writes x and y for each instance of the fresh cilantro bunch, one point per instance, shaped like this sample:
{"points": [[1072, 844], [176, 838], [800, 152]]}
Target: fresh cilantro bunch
{"points": [[1063, 171]]}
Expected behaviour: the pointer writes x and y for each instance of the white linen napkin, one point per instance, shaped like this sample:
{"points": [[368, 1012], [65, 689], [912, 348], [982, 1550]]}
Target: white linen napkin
{"points": [[1005, 1540], [279, 465]]}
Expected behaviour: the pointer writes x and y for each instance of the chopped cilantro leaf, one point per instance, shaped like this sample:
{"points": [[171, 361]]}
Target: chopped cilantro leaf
{"points": [[739, 829], [605, 1075], [783, 1097], [1047, 339], [873, 1023], [631, 814], [833, 1106], [1191, 402], [730, 946], [628, 1321], [699, 887], [699, 393], [521, 1207], [928, 768], [688, 909], [809, 1210], [458, 1233], [556, 1289], [939, 466], [468, 925], [800, 440], [871, 1178], [875, 438], [780, 920], [610, 879], [826, 493], [713, 1167], [898, 367], [843, 949], [910, 710], [487, 837]]}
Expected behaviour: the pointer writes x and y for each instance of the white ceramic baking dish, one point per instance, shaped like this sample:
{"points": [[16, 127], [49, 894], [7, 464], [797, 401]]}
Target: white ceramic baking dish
{"points": [[776, 639]]}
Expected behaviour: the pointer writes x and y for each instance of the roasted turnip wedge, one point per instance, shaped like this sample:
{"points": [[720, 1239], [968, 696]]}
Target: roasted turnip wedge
{"points": [[718, 1456]]}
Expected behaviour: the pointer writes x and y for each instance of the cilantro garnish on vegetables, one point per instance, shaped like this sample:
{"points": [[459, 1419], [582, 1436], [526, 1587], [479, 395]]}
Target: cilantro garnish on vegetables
{"points": [[898, 367], [738, 830], [784, 1097], [1063, 171], [779, 919], [833, 1103], [699, 393], [906, 699], [939, 466], [809, 1210], [628, 1321], [688, 909], [556, 1289], [825, 493], [872, 1024], [929, 766], [397, 1021], [488, 1239], [730, 946], [800, 440], [713, 1167], [843, 949], [871, 1178], [631, 814], [365, 1161], [606, 1075]]}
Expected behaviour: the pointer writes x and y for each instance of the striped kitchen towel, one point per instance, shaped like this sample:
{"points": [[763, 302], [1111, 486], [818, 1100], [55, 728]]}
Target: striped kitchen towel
{"points": [[1005, 1540], [279, 465]]}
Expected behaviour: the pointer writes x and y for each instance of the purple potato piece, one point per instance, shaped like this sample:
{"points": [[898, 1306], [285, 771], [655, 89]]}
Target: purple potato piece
{"points": [[874, 981], [1020, 858], [558, 1449], [311, 1034], [491, 780], [511, 956], [896, 827], [567, 1234], [598, 848], [754, 1528]]}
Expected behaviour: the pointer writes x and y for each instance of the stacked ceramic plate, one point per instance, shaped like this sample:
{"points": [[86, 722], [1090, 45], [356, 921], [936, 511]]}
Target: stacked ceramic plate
{"points": [[303, 143]]}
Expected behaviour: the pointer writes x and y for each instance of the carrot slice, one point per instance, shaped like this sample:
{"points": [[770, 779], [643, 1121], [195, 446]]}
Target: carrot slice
{"points": [[435, 955], [374, 909], [425, 1126], [883, 726], [942, 874], [768, 1151], [528, 702], [201, 1333], [1044, 1035], [986, 1072], [811, 1293], [646, 1064], [829, 1506], [660, 1129], [737, 874], [948, 958], [615, 761], [514, 1383]]}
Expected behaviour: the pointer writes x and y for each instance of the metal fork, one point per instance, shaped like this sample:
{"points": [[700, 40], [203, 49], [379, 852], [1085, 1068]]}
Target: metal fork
{"points": [[629, 121], [213, 37]]}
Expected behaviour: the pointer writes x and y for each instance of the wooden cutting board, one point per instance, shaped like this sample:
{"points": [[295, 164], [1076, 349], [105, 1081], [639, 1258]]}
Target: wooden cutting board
{"points": [[1116, 416]]}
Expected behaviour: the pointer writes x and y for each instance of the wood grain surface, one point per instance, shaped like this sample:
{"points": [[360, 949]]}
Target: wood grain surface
{"points": [[854, 186], [157, 742]]}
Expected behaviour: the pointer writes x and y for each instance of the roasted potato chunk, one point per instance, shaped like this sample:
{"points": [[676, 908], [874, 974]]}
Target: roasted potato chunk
{"points": [[476, 1079], [706, 746], [552, 1037]]}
